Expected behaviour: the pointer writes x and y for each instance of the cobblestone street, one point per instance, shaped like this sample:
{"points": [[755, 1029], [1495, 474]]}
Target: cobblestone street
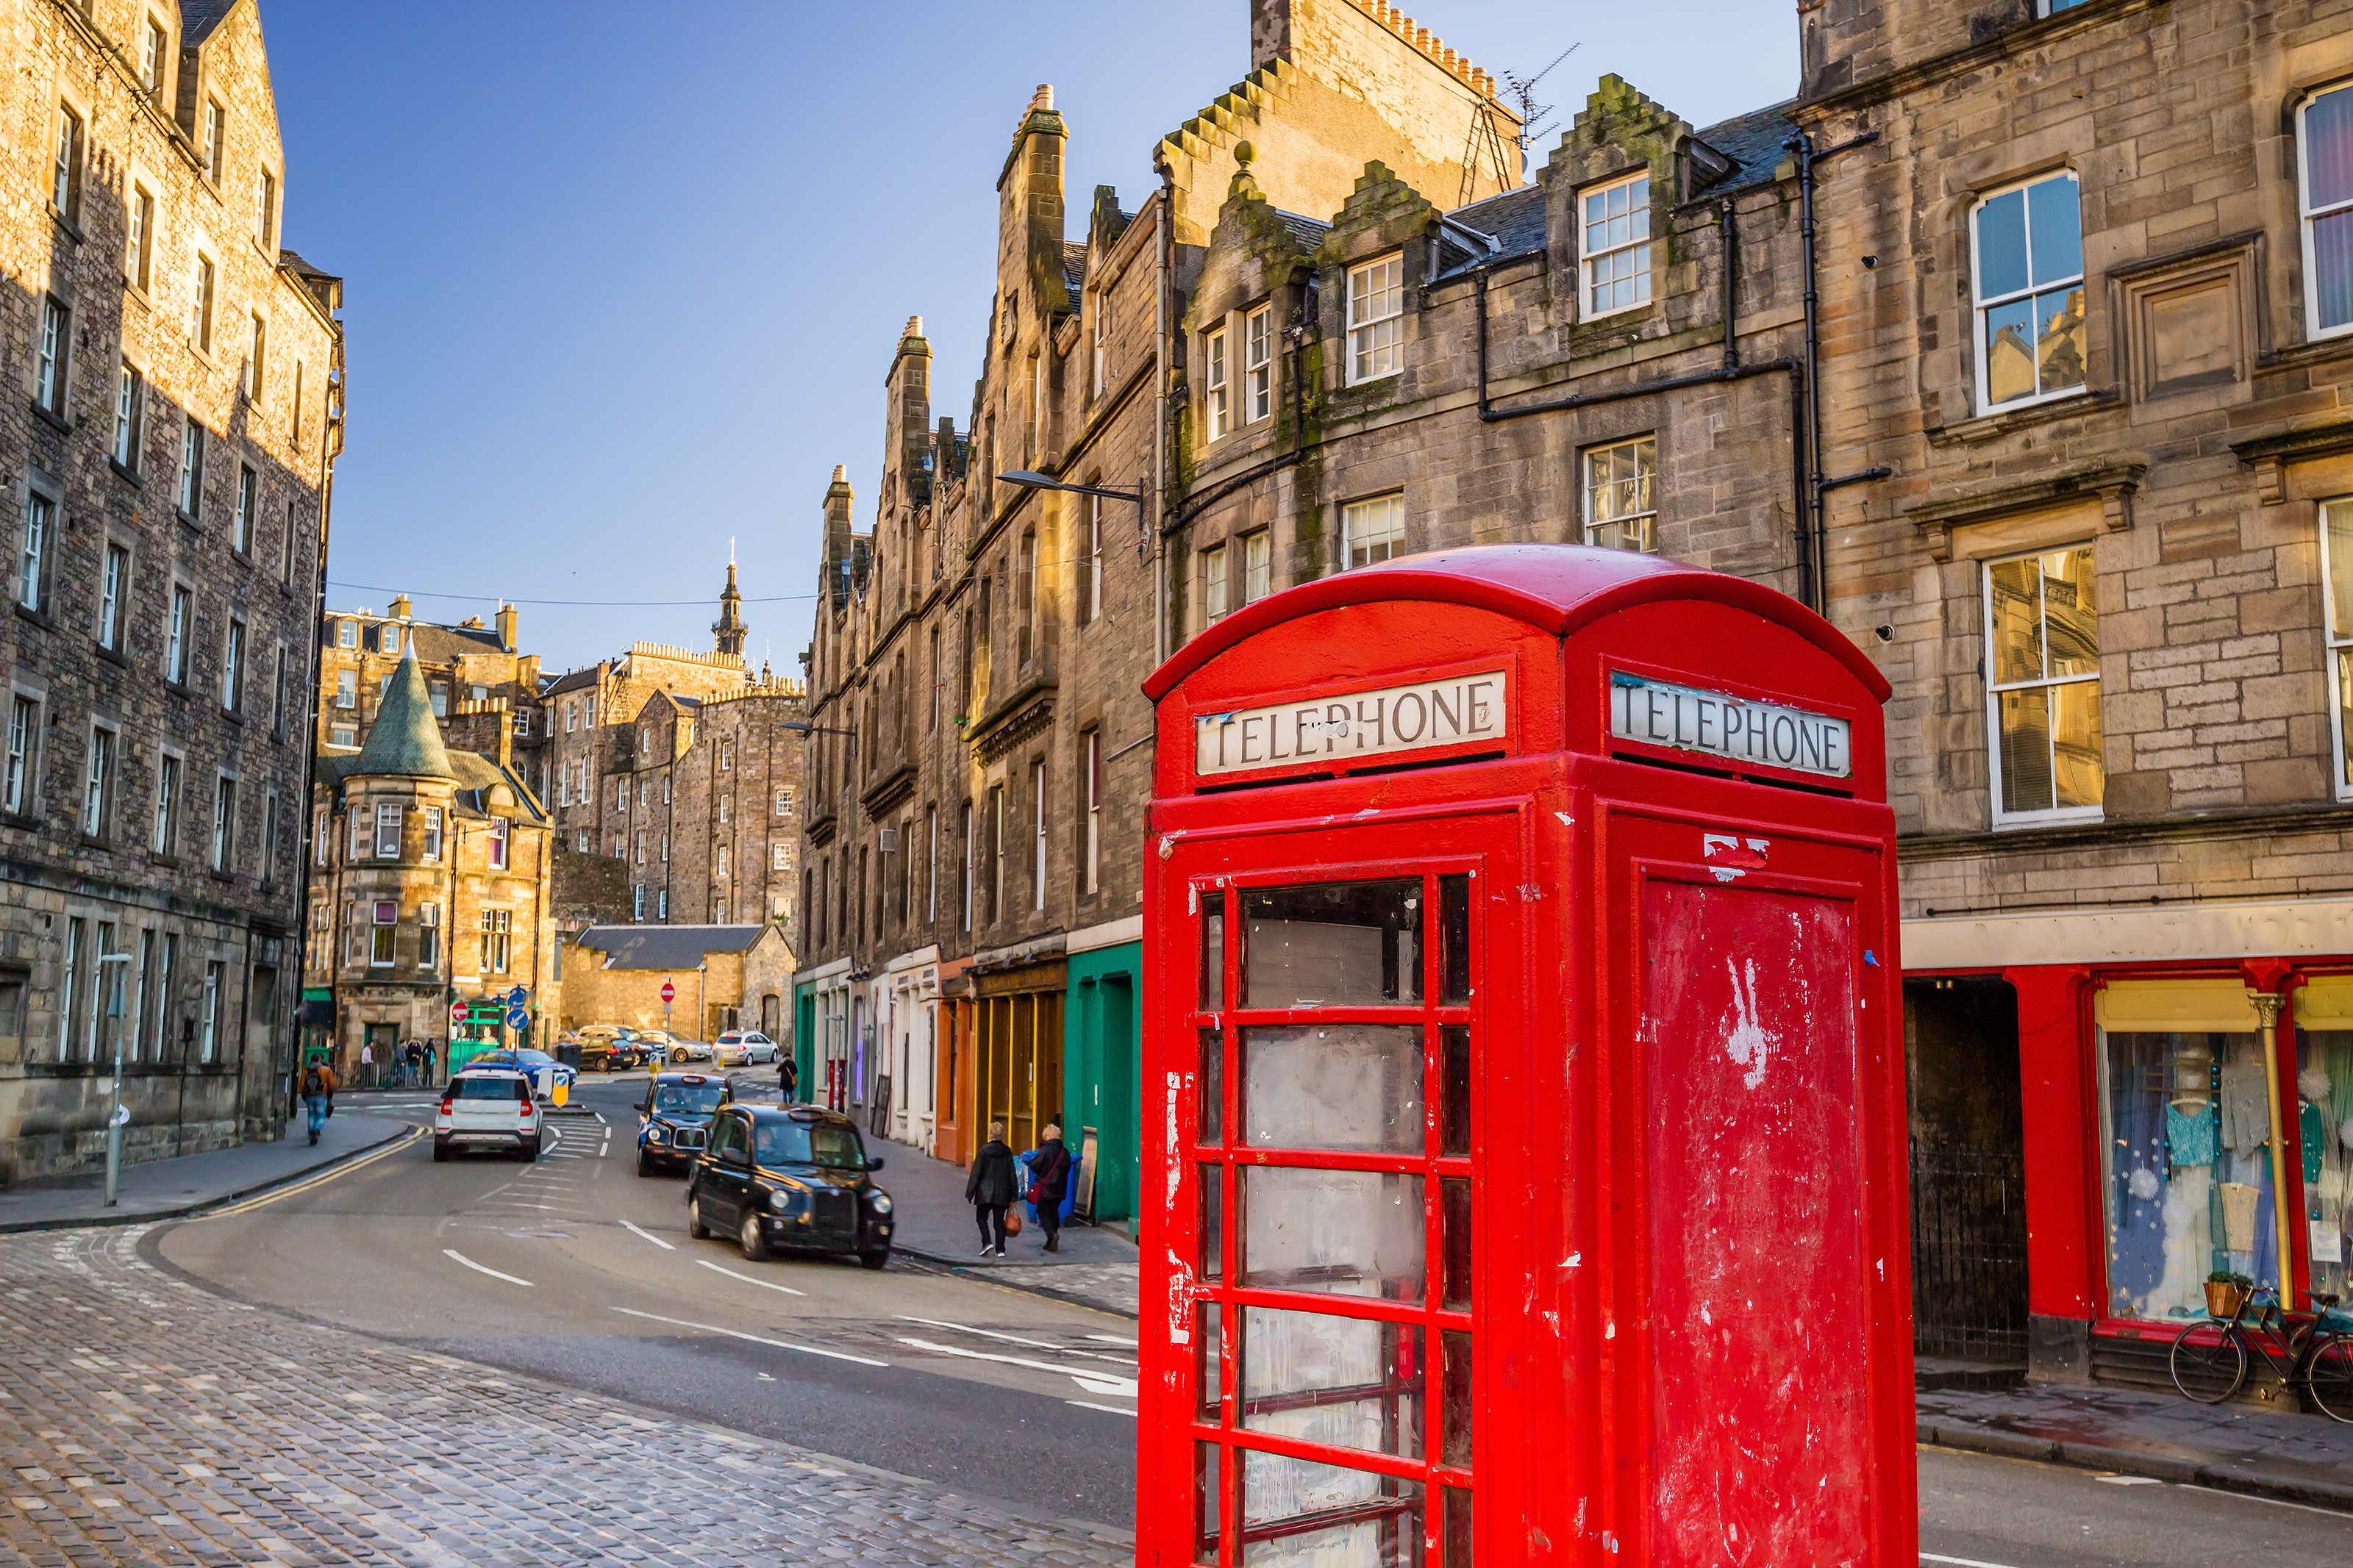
{"points": [[144, 1421]]}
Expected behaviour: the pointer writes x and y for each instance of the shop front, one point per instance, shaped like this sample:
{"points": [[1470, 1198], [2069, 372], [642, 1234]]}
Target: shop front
{"points": [[2184, 1117], [1017, 1048], [912, 980], [1103, 1109], [821, 1035]]}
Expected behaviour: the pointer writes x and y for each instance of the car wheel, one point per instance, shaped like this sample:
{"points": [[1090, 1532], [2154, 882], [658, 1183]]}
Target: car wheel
{"points": [[694, 1226], [645, 1167], [875, 1260], [530, 1152], [755, 1245], [440, 1151], [678, 1053]]}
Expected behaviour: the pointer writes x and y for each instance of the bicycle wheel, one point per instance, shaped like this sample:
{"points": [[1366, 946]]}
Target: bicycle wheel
{"points": [[2210, 1362], [2332, 1379]]}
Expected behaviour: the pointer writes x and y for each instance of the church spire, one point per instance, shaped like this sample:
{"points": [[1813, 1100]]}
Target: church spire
{"points": [[729, 630]]}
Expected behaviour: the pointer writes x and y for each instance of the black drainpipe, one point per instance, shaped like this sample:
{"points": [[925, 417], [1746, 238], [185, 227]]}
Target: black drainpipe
{"points": [[1815, 483]]}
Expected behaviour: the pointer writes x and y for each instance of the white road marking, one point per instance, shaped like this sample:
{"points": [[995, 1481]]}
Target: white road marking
{"points": [[1109, 1339], [739, 1334], [650, 1235], [1112, 1409], [1088, 1378], [1960, 1561], [984, 1334], [2131, 1480], [453, 1252], [767, 1284]]}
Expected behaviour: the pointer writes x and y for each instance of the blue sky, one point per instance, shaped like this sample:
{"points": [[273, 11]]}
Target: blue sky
{"points": [[622, 281]]}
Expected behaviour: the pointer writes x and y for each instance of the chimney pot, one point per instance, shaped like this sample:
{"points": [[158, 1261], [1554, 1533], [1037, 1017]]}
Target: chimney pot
{"points": [[840, 473]]}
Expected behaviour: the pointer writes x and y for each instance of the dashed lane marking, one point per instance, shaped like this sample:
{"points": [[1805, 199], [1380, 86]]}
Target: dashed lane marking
{"points": [[453, 1252], [650, 1235], [755, 1338], [1088, 1378]]}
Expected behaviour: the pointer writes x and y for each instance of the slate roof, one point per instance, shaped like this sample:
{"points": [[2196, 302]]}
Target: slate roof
{"points": [[1074, 269], [572, 682], [405, 741], [1307, 231], [1753, 141], [473, 772], [445, 645], [666, 947], [1514, 219], [199, 18]]}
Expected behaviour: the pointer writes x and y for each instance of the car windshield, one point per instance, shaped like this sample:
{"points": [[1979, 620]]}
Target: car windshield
{"points": [[805, 1143], [534, 1058], [484, 1087], [688, 1098]]}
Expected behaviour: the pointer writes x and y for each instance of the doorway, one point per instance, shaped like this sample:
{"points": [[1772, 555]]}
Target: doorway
{"points": [[1969, 1168], [383, 1040]]}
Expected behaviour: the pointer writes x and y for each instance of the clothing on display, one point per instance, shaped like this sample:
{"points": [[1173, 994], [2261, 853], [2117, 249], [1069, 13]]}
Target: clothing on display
{"points": [[2239, 1215], [2246, 1107], [2191, 1139], [2312, 1132]]}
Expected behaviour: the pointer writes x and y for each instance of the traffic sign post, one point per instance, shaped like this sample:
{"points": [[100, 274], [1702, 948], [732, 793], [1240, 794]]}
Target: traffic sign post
{"points": [[668, 990]]}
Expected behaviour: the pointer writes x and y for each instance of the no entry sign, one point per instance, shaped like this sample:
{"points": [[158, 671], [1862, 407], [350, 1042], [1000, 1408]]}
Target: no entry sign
{"points": [[457, 1011], [668, 991]]}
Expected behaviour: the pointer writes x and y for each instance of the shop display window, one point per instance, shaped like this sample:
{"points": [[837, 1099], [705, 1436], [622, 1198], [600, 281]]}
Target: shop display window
{"points": [[2188, 1178], [2323, 1101]]}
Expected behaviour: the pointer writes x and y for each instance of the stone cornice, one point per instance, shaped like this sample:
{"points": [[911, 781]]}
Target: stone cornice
{"points": [[1029, 711], [2270, 456], [2002, 46], [2112, 482]]}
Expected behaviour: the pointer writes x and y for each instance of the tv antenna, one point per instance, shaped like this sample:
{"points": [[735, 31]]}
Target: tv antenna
{"points": [[1524, 88]]}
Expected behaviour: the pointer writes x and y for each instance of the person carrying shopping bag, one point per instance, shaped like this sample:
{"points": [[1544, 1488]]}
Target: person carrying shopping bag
{"points": [[989, 1189]]}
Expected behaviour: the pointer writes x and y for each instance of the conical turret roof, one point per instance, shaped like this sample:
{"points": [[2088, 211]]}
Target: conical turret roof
{"points": [[406, 740]]}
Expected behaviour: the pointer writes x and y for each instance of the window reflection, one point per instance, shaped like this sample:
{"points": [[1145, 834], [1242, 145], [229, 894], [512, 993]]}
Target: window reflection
{"points": [[1343, 944]]}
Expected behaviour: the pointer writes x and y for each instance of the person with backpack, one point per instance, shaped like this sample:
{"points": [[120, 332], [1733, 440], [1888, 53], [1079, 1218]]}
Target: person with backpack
{"points": [[788, 1076], [989, 1189], [1049, 1176], [319, 1094]]}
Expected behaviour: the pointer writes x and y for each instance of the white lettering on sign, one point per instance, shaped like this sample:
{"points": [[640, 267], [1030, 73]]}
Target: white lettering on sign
{"points": [[1733, 727], [1354, 725]]}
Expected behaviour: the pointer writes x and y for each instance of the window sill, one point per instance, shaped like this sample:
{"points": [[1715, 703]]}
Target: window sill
{"points": [[188, 519], [68, 225], [17, 819], [176, 688], [112, 655], [92, 840], [2022, 416], [2091, 818], [233, 716], [37, 617], [128, 476], [49, 416], [2333, 344], [138, 292], [220, 875], [157, 858]]}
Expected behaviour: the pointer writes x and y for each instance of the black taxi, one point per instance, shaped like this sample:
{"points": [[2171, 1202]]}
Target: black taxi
{"points": [[792, 1177], [674, 1119]]}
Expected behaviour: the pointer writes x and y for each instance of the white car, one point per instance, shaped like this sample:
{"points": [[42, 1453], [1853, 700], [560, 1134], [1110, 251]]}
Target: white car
{"points": [[677, 1050], [746, 1047], [489, 1108]]}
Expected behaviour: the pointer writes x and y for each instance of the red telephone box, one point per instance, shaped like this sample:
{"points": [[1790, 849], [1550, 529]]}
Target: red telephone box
{"points": [[1526, 1150]]}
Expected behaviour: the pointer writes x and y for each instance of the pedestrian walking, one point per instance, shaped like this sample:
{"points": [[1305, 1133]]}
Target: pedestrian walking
{"points": [[368, 1066], [989, 1189], [319, 1095], [1049, 1178], [788, 1077], [428, 1064]]}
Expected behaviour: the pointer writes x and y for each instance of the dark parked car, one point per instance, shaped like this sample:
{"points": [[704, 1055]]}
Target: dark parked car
{"points": [[789, 1177], [674, 1119]]}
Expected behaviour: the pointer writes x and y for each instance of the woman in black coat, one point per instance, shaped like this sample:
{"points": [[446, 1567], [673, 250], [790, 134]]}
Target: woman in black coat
{"points": [[1049, 1176], [989, 1188]]}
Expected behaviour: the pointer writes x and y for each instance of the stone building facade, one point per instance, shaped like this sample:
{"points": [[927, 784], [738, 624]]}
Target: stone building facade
{"points": [[473, 672], [165, 452], [971, 947], [429, 887], [2017, 342]]}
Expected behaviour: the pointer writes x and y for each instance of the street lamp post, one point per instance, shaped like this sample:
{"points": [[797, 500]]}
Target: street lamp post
{"points": [[114, 1089], [1029, 479]]}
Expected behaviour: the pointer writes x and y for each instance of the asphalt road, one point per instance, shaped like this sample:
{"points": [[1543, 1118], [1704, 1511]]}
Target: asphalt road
{"points": [[575, 1269]]}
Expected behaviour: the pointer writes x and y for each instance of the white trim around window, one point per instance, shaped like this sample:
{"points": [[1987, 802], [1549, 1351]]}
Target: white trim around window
{"points": [[1613, 247], [2043, 729], [1217, 395], [2337, 612], [2324, 194], [2029, 318], [1376, 306]]}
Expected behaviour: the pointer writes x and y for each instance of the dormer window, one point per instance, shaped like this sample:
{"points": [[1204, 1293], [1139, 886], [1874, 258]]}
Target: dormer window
{"points": [[1616, 241], [1217, 404]]}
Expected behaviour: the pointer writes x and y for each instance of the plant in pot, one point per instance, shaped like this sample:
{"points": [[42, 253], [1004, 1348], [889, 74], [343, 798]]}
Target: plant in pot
{"points": [[2226, 1293]]}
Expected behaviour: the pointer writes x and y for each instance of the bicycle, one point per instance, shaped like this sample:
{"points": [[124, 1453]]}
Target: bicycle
{"points": [[2209, 1359]]}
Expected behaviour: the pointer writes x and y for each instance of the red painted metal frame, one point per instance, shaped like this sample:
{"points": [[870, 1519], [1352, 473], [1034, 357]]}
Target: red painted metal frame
{"points": [[1563, 1469]]}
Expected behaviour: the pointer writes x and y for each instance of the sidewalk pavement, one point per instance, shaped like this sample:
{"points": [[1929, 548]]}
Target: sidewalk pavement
{"points": [[2142, 1432], [162, 1189], [1094, 1267]]}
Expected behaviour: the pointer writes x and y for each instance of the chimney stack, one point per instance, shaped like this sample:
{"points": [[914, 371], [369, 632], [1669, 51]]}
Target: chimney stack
{"points": [[401, 608], [506, 641]]}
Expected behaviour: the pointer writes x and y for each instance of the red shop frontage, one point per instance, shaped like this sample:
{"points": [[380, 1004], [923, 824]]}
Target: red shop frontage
{"points": [[1525, 1078], [2183, 1107]]}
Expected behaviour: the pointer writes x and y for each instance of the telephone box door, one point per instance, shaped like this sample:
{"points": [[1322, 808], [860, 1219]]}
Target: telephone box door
{"points": [[1749, 1007], [1335, 1078]]}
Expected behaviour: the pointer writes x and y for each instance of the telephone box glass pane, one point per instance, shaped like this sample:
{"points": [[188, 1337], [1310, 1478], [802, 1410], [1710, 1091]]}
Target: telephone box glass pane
{"points": [[1454, 1235], [1332, 1086], [1287, 1515], [1341, 1233], [1340, 944], [1343, 1383], [1213, 1086], [1454, 1088], [1457, 1525], [1213, 1217], [1205, 1488], [1213, 953], [1211, 1359], [1454, 939], [1454, 1396]]}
